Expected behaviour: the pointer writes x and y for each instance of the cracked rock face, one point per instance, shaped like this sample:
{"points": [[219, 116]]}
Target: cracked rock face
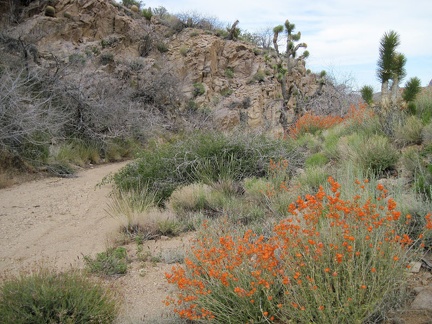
{"points": [[238, 79]]}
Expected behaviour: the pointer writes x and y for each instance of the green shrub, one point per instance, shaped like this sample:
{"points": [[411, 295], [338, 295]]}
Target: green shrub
{"points": [[50, 11], [226, 92], [198, 89], [373, 153], [162, 47], [317, 159], [109, 263], [229, 72], [106, 58], [77, 59], [427, 134], [410, 132], [423, 105], [259, 76], [184, 50], [203, 157], [47, 297], [79, 152], [312, 178], [411, 161], [147, 13]]}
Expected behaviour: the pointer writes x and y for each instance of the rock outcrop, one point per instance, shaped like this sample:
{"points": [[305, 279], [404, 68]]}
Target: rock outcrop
{"points": [[237, 78]]}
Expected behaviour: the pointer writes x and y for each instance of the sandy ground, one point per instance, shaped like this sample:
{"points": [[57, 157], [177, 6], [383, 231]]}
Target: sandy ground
{"points": [[55, 221]]}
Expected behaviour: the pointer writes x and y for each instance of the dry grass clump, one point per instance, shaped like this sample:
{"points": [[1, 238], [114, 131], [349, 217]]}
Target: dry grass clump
{"points": [[410, 132], [190, 199], [139, 215]]}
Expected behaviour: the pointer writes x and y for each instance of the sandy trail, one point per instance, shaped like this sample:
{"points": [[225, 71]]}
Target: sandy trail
{"points": [[55, 220]]}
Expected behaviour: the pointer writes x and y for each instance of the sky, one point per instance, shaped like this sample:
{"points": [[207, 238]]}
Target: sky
{"points": [[342, 35]]}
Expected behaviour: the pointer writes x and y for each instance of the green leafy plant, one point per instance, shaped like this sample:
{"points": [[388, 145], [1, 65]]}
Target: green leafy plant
{"points": [[48, 297], [367, 94], [198, 89], [109, 263]]}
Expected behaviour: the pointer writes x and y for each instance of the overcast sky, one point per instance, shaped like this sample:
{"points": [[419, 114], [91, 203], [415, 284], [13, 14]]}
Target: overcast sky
{"points": [[342, 35]]}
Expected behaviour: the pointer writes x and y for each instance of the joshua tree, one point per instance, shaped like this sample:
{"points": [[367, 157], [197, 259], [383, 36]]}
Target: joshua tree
{"points": [[288, 88], [391, 67]]}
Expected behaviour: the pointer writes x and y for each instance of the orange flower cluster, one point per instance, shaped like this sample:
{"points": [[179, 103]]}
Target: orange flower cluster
{"points": [[310, 123], [325, 245]]}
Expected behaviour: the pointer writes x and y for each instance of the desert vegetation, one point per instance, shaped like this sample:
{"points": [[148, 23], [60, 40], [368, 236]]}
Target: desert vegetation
{"points": [[317, 224]]}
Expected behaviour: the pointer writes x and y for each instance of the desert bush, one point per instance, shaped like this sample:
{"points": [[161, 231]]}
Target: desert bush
{"points": [[229, 73], [147, 13], [30, 114], [203, 157], [190, 199], [79, 152], [48, 297], [374, 153], [330, 261], [184, 50], [195, 19], [427, 134], [198, 89], [423, 105], [361, 119], [130, 3], [409, 132], [411, 161], [312, 178], [310, 123], [106, 58], [317, 159], [162, 47], [259, 76], [109, 263]]}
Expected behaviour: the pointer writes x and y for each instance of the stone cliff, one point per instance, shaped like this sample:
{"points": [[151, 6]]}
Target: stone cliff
{"points": [[232, 79]]}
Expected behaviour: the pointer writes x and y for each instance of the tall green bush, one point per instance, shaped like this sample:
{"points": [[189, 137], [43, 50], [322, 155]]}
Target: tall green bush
{"points": [[203, 157]]}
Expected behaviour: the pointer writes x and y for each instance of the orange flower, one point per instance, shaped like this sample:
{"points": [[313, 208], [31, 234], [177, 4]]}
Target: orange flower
{"points": [[395, 258]]}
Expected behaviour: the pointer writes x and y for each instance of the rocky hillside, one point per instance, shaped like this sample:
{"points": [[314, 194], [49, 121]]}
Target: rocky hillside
{"points": [[232, 79]]}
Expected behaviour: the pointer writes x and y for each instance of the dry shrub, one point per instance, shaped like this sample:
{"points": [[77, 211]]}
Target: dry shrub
{"points": [[189, 199], [410, 132]]}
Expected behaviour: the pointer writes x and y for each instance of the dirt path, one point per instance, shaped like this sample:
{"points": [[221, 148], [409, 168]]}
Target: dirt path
{"points": [[54, 222]]}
